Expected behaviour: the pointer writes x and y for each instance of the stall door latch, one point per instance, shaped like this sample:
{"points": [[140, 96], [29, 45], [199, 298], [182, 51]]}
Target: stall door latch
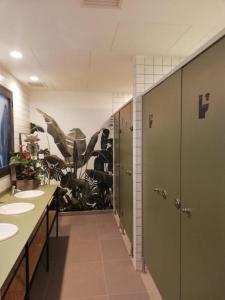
{"points": [[150, 120], [203, 104]]}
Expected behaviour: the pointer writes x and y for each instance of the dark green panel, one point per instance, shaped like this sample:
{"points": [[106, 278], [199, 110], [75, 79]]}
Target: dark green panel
{"points": [[203, 177], [116, 161], [161, 170], [126, 165]]}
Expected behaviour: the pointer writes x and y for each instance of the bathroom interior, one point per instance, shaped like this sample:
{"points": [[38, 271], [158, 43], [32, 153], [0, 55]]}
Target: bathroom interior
{"points": [[112, 150]]}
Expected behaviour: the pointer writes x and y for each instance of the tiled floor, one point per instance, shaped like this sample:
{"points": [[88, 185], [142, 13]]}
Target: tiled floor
{"points": [[88, 262]]}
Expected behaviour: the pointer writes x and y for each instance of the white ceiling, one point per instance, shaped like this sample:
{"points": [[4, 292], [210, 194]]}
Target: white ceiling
{"points": [[72, 47]]}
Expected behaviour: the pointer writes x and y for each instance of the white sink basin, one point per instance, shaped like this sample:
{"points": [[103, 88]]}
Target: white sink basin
{"points": [[7, 230], [29, 194], [16, 208]]}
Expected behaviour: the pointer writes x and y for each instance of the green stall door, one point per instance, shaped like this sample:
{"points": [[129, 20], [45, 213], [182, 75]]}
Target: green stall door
{"points": [[161, 184], [203, 177], [126, 165], [117, 161]]}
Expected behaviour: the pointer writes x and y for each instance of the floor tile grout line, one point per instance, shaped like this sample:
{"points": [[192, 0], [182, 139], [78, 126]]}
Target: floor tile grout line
{"points": [[48, 279], [103, 267]]}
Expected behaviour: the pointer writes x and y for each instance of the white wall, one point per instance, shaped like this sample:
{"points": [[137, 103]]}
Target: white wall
{"points": [[20, 113], [87, 111]]}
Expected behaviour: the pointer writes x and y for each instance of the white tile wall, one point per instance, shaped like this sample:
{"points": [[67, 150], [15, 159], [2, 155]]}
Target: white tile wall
{"points": [[20, 113], [119, 99], [137, 182], [150, 69]]}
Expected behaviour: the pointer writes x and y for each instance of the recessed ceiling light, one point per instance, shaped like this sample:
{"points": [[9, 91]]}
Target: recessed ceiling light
{"points": [[16, 54], [34, 78]]}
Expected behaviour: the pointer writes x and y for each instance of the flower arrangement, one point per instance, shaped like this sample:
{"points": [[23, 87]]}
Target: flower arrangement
{"points": [[26, 166]]}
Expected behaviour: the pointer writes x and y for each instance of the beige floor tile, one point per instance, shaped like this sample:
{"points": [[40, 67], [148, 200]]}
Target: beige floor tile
{"points": [[114, 250], [121, 278], [76, 280], [139, 296], [84, 232], [108, 231], [82, 251], [58, 248], [70, 251], [89, 298], [105, 218], [64, 230], [77, 219]]}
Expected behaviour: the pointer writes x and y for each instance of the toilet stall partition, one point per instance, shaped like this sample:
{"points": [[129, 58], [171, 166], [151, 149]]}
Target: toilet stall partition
{"points": [[184, 177], [125, 170], [116, 161], [161, 184]]}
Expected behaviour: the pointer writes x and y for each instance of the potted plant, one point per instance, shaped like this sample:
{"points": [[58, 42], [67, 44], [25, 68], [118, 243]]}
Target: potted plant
{"points": [[27, 170]]}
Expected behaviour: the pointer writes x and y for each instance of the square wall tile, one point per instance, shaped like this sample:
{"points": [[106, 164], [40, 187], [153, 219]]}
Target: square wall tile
{"points": [[157, 77], [140, 69], [158, 70], [140, 87], [149, 78], [167, 69], [147, 86], [140, 78], [167, 60], [175, 60], [158, 60], [148, 70], [149, 60]]}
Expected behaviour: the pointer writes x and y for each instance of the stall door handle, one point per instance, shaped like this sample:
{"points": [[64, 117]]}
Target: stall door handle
{"points": [[164, 194], [186, 211], [129, 172], [161, 192], [157, 190]]}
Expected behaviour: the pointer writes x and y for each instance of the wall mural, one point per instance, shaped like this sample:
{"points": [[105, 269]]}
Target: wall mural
{"points": [[81, 188]]}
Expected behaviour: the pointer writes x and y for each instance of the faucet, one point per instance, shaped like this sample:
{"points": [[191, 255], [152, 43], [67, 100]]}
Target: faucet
{"points": [[14, 190]]}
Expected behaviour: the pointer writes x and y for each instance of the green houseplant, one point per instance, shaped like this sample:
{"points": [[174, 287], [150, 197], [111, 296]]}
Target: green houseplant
{"points": [[27, 170]]}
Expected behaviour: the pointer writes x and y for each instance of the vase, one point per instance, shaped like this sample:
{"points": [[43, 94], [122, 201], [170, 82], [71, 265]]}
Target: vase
{"points": [[27, 184]]}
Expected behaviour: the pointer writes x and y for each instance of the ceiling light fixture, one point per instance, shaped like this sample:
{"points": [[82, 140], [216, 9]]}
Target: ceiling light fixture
{"points": [[16, 54], [34, 78]]}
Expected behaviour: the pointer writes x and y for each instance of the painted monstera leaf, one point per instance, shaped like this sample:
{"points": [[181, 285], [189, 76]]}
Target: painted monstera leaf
{"points": [[56, 132]]}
